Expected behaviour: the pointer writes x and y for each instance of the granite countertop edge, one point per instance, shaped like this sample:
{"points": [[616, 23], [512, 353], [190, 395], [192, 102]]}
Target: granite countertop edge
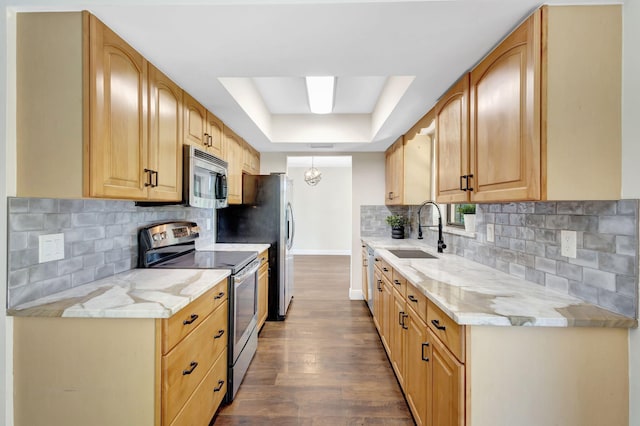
{"points": [[475, 294], [136, 293]]}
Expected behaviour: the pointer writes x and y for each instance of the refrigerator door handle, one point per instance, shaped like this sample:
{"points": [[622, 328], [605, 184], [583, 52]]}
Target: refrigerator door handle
{"points": [[291, 227]]}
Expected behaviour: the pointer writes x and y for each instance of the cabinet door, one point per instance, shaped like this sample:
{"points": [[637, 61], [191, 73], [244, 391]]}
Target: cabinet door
{"points": [[447, 386], [233, 153], [118, 116], [394, 173], [387, 313], [416, 366], [165, 137], [195, 122], [214, 135], [377, 300], [365, 275], [452, 138], [263, 293], [397, 334], [505, 119]]}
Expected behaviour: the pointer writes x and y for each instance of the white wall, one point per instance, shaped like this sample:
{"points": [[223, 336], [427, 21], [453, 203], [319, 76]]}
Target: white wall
{"points": [[7, 187], [322, 212], [368, 189], [630, 170]]}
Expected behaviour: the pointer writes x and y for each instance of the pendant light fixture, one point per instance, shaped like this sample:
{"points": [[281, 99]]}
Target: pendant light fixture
{"points": [[313, 175]]}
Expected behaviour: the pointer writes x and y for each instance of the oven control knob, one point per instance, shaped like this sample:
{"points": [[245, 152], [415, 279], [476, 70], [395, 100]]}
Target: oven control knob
{"points": [[159, 236]]}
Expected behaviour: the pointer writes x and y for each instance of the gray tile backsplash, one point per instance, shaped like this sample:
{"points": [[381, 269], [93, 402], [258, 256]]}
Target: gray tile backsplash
{"points": [[527, 245], [100, 239]]}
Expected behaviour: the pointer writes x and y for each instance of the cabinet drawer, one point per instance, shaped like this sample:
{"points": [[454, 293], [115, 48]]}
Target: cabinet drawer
{"points": [[417, 301], [399, 283], [386, 269], [204, 402], [184, 367], [189, 317], [450, 333]]}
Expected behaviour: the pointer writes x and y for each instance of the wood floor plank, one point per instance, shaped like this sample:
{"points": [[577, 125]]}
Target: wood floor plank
{"points": [[323, 365]]}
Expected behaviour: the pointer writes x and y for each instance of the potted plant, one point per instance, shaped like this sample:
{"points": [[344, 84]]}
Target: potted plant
{"points": [[468, 212], [397, 225]]}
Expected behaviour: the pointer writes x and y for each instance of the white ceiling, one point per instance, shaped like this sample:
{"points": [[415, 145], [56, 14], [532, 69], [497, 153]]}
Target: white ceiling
{"points": [[245, 60]]}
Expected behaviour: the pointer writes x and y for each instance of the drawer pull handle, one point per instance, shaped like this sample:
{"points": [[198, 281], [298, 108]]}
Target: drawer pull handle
{"points": [[396, 282], [425, 345], [385, 269], [436, 323], [219, 387], [219, 335], [192, 367], [191, 319], [219, 296], [404, 326], [412, 298]]}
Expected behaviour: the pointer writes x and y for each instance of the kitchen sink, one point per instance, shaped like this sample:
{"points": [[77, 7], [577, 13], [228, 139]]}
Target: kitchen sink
{"points": [[412, 254]]}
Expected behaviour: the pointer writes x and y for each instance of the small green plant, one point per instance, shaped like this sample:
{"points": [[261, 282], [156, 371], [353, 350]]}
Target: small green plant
{"points": [[395, 220], [467, 209]]}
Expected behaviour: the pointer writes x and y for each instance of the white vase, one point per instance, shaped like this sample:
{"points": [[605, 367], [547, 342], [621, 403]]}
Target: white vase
{"points": [[470, 222]]}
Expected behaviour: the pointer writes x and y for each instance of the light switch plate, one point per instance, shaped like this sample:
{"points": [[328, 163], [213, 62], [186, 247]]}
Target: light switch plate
{"points": [[50, 247], [568, 243], [491, 236]]}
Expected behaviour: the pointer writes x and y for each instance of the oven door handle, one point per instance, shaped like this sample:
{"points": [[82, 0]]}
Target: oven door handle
{"points": [[247, 271]]}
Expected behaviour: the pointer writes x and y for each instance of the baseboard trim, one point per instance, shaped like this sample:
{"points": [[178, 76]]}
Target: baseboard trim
{"points": [[302, 252], [355, 294]]}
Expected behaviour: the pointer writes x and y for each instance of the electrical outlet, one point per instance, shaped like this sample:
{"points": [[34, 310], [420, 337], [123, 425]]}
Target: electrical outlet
{"points": [[491, 235], [208, 224], [50, 247], [568, 243]]}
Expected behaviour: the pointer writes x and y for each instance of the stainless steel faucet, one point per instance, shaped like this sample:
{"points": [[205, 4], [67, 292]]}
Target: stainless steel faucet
{"points": [[441, 244]]}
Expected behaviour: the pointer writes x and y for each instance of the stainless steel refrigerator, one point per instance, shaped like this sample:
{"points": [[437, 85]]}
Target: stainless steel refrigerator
{"points": [[265, 216]]}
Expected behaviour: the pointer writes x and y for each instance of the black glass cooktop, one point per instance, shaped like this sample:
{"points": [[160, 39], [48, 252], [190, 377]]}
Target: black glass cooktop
{"points": [[234, 260]]}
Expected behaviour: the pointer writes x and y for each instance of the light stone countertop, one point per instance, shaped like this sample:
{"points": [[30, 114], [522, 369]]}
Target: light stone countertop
{"points": [[475, 294], [137, 293]]}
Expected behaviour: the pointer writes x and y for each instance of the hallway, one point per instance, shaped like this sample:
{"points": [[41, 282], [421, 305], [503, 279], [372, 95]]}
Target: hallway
{"points": [[324, 365]]}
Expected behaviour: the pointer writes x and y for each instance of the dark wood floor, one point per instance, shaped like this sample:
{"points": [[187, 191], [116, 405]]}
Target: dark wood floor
{"points": [[324, 365]]}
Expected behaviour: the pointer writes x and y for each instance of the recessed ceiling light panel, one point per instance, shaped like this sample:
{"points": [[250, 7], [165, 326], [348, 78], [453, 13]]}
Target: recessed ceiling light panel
{"points": [[320, 91]]}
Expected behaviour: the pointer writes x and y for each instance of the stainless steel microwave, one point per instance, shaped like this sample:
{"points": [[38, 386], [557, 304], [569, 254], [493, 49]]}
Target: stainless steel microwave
{"points": [[205, 179]]}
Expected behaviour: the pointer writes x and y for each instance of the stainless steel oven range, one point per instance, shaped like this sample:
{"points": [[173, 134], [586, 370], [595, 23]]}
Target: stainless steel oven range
{"points": [[172, 245]]}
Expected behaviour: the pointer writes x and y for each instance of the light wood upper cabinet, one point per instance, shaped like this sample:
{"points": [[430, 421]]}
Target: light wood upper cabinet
{"points": [[214, 135], [505, 119], [408, 165], [544, 123], [113, 121], [118, 116], [202, 128], [452, 134], [165, 137], [195, 122], [394, 173], [250, 159], [233, 154]]}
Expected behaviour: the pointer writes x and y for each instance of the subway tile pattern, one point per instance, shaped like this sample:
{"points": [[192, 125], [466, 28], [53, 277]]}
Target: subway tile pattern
{"points": [[527, 245], [100, 240]]}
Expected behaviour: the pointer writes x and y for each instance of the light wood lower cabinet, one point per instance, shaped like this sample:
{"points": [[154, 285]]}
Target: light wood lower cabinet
{"points": [[113, 371], [457, 375], [263, 289]]}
